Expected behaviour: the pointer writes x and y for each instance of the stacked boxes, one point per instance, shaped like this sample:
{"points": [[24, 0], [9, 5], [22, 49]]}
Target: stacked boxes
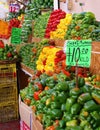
{"points": [[8, 92]]}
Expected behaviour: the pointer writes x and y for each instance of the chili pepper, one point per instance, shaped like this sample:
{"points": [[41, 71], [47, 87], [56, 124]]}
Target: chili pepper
{"points": [[84, 97]]}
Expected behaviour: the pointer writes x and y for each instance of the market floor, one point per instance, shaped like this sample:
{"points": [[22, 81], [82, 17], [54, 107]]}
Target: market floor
{"points": [[12, 125]]}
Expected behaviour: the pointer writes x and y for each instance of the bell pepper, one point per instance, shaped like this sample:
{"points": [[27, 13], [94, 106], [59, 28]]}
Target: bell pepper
{"points": [[54, 105], [69, 102], [91, 106], [75, 92], [81, 81], [36, 95], [62, 97], [50, 82], [55, 113], [62, 86], [96, 96], [87, 88], [72, 123], [74, 128], [62, 123], [96, 117], [83, 114], [67, 116], [84, 97], [75, 109]]}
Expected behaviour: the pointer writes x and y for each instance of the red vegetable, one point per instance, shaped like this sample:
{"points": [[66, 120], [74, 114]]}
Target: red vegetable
{"points": [[36, 95]]}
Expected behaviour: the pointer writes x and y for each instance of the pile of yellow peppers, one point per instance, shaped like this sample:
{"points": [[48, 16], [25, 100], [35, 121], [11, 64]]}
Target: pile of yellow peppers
{"points": [[45, 61], [60, 32]]}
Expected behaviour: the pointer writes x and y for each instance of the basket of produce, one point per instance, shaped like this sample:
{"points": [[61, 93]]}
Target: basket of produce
{"points": [[8, 53]]}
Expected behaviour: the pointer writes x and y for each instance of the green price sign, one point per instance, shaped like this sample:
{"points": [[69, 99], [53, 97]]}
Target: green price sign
{"points": [[16, 36], [78, 51]]}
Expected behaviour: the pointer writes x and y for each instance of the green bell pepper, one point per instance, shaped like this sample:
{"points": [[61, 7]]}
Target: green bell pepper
{"points": [[75, 109], [91, 106], [62, 86], [75, 92], [87, 88], [96, 95], [69, 102], [84, 97], [72, 123], [50, 82], [54, 105], [67, 116], [74, 128], [81, 81]]}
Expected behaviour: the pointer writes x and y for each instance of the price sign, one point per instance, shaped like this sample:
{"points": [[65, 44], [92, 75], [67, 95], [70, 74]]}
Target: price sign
{"points": [[16, 36], [14, 8], [78, 51]]}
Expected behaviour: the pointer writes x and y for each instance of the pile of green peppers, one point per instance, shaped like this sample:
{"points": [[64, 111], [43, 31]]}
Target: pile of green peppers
{"points": [[76, 108]]}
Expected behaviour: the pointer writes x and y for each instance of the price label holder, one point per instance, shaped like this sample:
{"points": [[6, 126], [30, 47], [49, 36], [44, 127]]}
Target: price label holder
{"points": [[16, 36], [78, 51]]}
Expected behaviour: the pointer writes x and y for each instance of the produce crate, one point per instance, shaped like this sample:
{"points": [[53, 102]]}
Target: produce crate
{"points": [[8, 93], [8, 73], [28, 118], [9, 112]]}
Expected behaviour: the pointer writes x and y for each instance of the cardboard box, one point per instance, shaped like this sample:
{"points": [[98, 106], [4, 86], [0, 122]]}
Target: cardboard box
{"points": [[28, 119]]}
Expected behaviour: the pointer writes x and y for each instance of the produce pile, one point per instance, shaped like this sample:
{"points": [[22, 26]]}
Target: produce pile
{"points": [[66, 26], [30, 14], [82, 26], [53, 21], [29, 53], [61, 105], [40, 24], [7, 52], [43, 4]]}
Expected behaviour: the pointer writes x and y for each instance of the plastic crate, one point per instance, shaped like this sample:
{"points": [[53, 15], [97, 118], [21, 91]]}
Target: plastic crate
{"points": [[8, 73], [9, 112], [8, 93]]}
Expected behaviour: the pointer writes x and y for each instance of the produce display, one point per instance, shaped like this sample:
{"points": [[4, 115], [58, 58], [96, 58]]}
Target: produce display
{"points": [[61, 105], [43, 4], [62, 27], [30, 14], [4, 29], [81, 26], [29, 53], [40, 24], [53, 21], [7, 52]]}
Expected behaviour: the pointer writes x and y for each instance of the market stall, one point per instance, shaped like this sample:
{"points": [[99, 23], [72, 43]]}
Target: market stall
{"points": [[58, 70]]}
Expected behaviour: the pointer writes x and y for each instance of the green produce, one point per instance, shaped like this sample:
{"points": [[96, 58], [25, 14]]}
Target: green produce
{"points": [[40, 24], [84, 97], [82, 25], [75, 109], [29, 53], [69, 102]]}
